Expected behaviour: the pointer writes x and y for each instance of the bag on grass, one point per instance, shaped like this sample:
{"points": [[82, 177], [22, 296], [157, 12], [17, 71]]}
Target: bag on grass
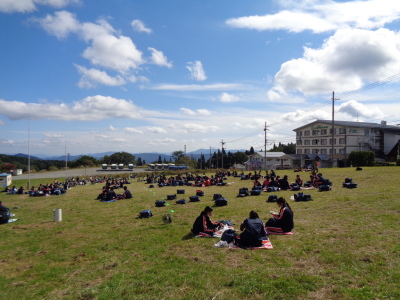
{"points": [[180, 191], [255, 192], [145, 213], [199, 193], [272, 198], [181, 201], [160, 203], [194, 198], [221, 202], [217, 196], [171, 197], [228, 236]]}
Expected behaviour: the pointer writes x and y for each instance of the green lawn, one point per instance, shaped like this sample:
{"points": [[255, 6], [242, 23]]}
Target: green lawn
{"points": [[345, 244]]}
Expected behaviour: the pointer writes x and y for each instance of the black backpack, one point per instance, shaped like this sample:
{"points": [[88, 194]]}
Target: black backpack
{"points": [[145, 214], [217, 196], [181, 201], [194, 198], [221, 202], [272, 198], [228, 236], [171, 197], [180, 191], [160, 203]]}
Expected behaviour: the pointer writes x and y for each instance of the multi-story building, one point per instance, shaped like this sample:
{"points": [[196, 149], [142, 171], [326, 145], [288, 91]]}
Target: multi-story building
{"points": [[316, 138]]}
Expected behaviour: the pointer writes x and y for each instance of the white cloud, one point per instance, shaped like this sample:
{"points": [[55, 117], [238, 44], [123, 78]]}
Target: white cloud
{"points": [[92, 108], [155, 129], [7, 142], [139, 26], [359, 110], [23, 6], [198, 87], [106, 49], [321, 16], [90, 77], [190, 112], [53, 135], [102, 136], [158, 58], [196, 70], [227, 98], [191, 127], [161, 142], [132, 130], [342, 62], [112, 128]]}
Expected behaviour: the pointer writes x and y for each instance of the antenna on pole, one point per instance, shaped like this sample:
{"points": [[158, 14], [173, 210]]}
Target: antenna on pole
{"points": [[333, 125], [265, 146], [222, 154]]}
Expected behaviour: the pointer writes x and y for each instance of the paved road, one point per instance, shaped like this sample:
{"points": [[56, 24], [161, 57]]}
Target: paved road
{"points": [[82, 173]]}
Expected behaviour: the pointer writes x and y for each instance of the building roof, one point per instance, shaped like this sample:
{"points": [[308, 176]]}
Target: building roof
{"points": [[381, 125], [270, 154]]}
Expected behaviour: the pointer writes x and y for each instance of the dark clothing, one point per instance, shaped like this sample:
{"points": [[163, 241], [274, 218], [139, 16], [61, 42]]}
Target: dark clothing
{"points": [[111, 195], [254, 233], [128, 194], [203, 224], [282, 223], [284, 184], [4, 214], [273, 183]]}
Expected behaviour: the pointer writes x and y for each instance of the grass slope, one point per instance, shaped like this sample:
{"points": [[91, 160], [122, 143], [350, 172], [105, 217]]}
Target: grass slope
{"points": [[345, 245]]}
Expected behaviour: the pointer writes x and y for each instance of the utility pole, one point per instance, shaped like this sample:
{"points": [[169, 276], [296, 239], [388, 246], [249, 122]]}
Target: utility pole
{"points": [[222, 154], [265, 146], [333, 126]]}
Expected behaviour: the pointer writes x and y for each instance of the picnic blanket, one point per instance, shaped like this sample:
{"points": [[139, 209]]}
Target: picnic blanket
{"points": [[108, 200], [266, 245], [279, 233], [216, 234]]}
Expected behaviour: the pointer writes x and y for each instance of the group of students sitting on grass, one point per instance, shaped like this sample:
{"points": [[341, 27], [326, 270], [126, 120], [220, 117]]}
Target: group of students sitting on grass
{"points": [[281, 183], [108, 194], [253, 229]]}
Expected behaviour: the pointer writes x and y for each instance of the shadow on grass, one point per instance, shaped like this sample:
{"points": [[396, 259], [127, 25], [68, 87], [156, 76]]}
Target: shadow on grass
{"points": [[188, 236]]}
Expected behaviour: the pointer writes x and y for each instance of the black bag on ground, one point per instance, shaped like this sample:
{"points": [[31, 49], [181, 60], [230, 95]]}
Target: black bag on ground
{"points": [[160, 203], [228, 236], [217, 196], [324, 187], [145, 214], [255, 192], [272, 198], [244, 191], [180, 192], [194, 198], [350, 185], [181, 201], [302, 197], [272, 189], [199, 193], [348, 180], [171, 197], [221, 202]]}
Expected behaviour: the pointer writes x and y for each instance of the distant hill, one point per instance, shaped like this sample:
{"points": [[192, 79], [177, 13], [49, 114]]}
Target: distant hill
{"points": [[25, 156]]}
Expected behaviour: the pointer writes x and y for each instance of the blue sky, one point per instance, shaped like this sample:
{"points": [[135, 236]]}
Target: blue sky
{"points": [[156, 76]]}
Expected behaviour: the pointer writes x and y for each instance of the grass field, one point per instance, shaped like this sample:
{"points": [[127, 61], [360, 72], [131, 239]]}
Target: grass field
{"points": [[345, 244]]}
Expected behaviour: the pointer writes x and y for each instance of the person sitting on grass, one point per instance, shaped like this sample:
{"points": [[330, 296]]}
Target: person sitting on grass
{"points": [[284, 183], [253, 231], [111, 195], [282, 221], [4, 214], [126, 195], [299, 181], [203, 225]]}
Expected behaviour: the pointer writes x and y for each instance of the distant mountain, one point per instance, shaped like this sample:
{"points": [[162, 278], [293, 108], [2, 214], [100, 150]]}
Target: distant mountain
{"points": [[146, 156], [25, 155]]}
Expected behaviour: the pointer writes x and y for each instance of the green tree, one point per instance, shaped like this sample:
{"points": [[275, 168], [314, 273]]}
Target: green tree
{"points": [[178, 155], [120, 158], [139, 161], [85, 160], [159, 159], [362, 158], [239, 157]]}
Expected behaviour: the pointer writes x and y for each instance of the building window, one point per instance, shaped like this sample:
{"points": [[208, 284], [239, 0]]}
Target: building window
{"points": [[330, 141], [330, 151], [342, 151], [299, 133], [330, 131], [315, 132], [315, 142], [315, 151], [342, 130], [299, 151], [307, 133], [324, 141], [342, 141], [323, 151], [307, 142], [324, 131], [306, 151], [299, 142]]}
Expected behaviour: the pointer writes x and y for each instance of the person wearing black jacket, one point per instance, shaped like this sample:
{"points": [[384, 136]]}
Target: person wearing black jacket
{"points": [[4, 214], [253, 231], [203, 225], [281, 221]]}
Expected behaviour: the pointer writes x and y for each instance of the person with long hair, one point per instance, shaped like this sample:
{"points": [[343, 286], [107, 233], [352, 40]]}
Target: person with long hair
{"points": [[203, 225], [281, 221], [253, 231]]}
